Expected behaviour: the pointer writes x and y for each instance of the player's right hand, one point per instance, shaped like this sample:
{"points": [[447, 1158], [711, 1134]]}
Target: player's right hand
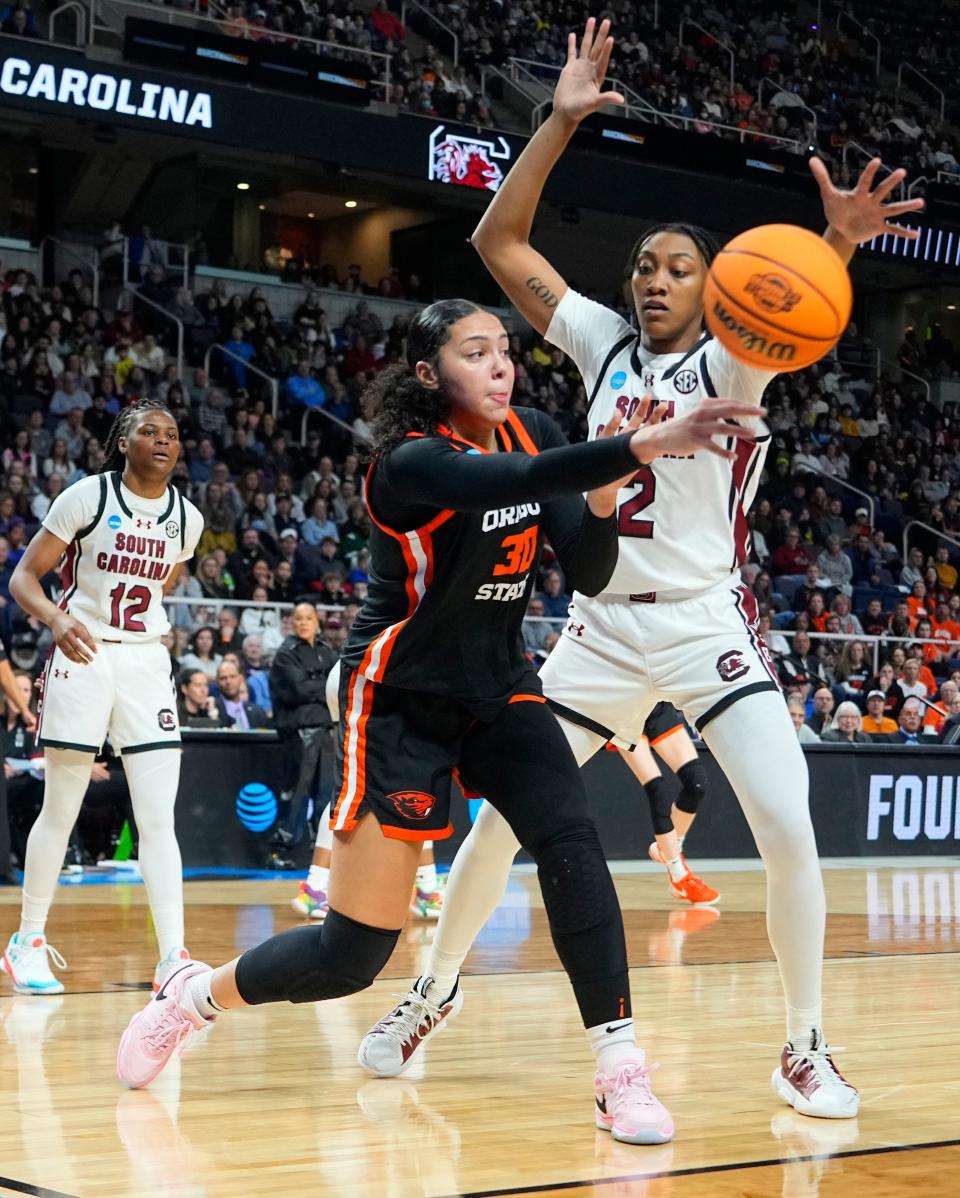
{"points": [[73, 639], [689, 434]]}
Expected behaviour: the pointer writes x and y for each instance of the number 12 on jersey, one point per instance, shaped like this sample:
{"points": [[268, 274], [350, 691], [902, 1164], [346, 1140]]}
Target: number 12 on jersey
{"points": [[629, 522], [138, 600]]}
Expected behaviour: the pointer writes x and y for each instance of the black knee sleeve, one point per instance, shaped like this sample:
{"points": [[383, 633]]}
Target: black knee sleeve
{"points": [[585, 919], [693, 780], [309, 964], [661, 805]]}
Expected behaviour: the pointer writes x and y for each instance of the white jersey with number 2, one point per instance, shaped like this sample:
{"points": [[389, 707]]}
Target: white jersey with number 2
{"points": [[682, 521], [121, 549]]}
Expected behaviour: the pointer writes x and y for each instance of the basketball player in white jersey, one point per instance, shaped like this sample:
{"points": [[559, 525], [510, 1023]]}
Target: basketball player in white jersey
{"points": [[119, 537], [675, 623]]}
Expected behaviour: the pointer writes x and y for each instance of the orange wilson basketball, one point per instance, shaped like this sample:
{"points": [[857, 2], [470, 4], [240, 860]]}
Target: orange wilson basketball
{"points": [[778, 297]]}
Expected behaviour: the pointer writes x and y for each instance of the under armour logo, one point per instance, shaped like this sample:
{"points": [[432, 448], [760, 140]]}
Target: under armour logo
{"points": [[648, 380], [575, 629], [61, 673], [144, 524]]}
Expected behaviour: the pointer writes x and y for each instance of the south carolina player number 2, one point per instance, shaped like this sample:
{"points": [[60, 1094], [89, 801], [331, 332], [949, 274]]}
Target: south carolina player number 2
{"points": [[628, 522]]}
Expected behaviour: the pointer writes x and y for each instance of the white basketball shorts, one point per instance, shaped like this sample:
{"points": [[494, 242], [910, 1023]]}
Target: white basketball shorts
{"points": [[618, 657], [126, 692]]}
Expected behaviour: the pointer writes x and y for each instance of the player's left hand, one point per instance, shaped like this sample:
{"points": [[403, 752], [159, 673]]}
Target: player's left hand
{"points": [[861, 214]]}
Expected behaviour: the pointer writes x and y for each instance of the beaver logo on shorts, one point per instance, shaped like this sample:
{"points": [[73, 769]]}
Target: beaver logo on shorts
{"points": [[413, 804], [731, 666], [167, 720]]}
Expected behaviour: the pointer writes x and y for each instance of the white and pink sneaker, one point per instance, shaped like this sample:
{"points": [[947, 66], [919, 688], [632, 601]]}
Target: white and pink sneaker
{"points": [[154, 1034], [810, 1082], [628, 1108]]}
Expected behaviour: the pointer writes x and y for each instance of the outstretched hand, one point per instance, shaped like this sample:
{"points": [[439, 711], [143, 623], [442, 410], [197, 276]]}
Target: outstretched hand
{"points": [[861, 214], [602, 501], [578, 91], [696, 431]]}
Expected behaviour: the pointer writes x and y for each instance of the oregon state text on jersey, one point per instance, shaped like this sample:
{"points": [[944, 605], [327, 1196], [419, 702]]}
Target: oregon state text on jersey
{"points": [[121, 549], [682, 521], [447, 598]]}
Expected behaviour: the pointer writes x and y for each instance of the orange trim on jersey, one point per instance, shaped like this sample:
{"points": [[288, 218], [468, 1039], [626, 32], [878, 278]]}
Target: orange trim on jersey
{"points": [[415, 833], [505, 438], [359, 750], [521, 433], [526, 699], [663, 735]]}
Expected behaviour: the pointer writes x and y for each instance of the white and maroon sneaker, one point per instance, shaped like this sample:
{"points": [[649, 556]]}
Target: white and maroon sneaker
{"points": [[811, 1083], [154, 1034], [627, 1107], [389, 1046]]}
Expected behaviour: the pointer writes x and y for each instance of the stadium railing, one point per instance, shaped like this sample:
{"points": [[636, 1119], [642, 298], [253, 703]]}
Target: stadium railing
{"points": [[715, 39], [271, 382], [938, 533], [906, 66], [135, 295], [435, 20], [75, 253], [840, 482], [363, 438], [875, 643], [843, 15]]}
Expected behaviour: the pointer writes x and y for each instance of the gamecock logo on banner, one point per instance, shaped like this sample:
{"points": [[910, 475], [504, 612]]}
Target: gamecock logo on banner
{"points": [[466, 161]]}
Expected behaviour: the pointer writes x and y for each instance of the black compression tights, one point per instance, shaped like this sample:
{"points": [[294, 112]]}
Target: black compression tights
{"points": [[523, 764]]}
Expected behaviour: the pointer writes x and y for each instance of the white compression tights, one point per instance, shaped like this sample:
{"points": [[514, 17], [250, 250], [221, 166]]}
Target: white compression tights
{"points": [[153, 778], [752, 741]]}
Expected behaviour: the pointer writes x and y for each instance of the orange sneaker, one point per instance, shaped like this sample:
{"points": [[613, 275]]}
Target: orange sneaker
{"points": [[692, 890]]}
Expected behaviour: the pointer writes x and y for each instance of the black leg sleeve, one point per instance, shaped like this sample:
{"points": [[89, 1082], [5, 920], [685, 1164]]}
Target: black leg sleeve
{"points": [[522, 763], [309, 964]]}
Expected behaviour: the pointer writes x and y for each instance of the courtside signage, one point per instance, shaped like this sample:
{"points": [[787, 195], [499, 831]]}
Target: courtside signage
{"points": [[912, 807], [105, 92]]}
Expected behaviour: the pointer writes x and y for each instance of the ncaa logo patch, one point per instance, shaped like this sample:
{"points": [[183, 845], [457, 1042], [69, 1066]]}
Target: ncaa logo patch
{"points": [[617, 380], [114, 522], [686, 381], [731, 666], [414, 804], [172, 528], [167, 720]]}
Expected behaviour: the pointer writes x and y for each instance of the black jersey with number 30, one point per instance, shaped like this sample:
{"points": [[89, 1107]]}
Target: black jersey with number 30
{"points": [[455, 545]]}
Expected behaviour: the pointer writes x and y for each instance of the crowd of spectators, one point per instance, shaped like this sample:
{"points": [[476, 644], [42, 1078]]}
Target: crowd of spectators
{"points": [[285, 519]]}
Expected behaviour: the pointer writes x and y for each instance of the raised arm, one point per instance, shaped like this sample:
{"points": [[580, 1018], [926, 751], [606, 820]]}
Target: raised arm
{"points": [[861, 213], [503, 236]]}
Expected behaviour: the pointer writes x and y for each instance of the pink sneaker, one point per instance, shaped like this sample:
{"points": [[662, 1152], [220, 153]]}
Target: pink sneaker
{"points": [[156, 1032], [628, 1108]]}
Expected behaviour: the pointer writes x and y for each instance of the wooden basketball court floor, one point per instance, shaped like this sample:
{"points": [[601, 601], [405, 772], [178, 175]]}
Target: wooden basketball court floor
{"points": [[271, 1102]]}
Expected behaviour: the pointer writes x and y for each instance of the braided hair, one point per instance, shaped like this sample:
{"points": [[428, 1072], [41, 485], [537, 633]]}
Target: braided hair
{"points": [[114, 458], [400, 401], [706, 243]]}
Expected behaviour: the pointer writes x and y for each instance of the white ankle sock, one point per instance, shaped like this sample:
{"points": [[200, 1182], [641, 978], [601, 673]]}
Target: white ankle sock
{"points": [[677, 869], [319, 878], [427, 878], [197, 997], [613, 1047], [803, 1024], [33, 915], [444, 981]]}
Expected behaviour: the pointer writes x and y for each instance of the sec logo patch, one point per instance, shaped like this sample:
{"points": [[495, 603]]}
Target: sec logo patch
{"points": [[172, 528], [686, 381]]}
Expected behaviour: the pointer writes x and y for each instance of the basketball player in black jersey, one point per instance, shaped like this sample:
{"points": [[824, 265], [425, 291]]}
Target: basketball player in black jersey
{"points": [[435, 684]]}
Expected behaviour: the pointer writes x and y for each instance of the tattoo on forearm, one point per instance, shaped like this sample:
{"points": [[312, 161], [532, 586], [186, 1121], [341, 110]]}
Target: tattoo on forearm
{"points": [[542, 291]]}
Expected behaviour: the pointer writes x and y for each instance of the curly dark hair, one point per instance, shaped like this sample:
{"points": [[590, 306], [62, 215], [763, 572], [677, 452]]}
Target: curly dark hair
{"points": [[114, 459], [400, 402]]}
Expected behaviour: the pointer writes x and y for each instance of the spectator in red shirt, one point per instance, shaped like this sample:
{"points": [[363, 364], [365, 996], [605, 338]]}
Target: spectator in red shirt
{"points": [[791, 557]]}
